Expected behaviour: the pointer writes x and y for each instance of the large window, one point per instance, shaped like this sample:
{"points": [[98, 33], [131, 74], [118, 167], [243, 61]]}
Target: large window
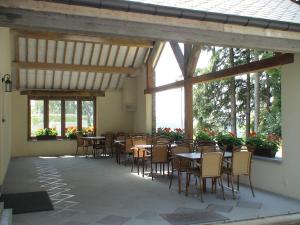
{"points": [[60, 113]]}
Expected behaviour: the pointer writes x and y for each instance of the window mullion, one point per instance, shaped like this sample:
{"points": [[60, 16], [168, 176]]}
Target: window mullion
{"points": [[46, 113], [79, 114], [63, 118]]}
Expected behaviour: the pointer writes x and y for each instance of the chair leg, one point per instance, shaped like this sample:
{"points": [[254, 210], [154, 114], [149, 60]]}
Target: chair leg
{"points": [[179, 181], [138, 165], [143, 164], [231, 180], [163, 168], [187, 183], [238, 182], [171, 179], [132, 165], [76, 151], [221, 181], [251, 186], [201, 188], [168, 167], [151, 171]]}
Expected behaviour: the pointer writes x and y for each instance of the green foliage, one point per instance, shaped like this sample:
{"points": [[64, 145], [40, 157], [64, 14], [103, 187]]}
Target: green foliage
{"points": [[262, 142], [205, 136], [212, 99], [228, 139], [46, 132], [174, 135]]}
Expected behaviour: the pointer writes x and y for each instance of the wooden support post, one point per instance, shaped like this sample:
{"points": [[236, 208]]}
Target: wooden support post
{"points": [[188, 110]]}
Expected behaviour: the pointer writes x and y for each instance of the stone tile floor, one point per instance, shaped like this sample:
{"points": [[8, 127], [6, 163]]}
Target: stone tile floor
{"points": [[99, 191]]}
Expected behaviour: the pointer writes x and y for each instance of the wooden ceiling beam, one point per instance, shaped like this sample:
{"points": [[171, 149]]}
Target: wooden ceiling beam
{"points": [[132, 42], [65, 93], [252, 67], [69, 67]]}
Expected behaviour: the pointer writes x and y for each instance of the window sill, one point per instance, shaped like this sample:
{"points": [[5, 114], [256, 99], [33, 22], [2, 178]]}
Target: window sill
{"points": [[266, 159], [58, 139]]}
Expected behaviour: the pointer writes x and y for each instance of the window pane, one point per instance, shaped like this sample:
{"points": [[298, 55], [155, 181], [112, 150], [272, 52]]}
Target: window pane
{"points": [[55, 115], [87, 114], [37, 115], [71, 114]]}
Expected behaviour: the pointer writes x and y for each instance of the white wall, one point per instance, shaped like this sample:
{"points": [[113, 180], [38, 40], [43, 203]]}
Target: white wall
{"points": [[283, 178], [5, 107], [142, 122]]}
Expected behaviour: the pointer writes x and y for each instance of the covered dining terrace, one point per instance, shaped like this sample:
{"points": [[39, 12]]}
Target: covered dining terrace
{"points": [[78, 108]]}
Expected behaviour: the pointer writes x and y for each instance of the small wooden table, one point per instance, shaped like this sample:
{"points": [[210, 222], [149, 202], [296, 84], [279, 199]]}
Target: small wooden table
{"points": [[193, 156], [94, 140]]}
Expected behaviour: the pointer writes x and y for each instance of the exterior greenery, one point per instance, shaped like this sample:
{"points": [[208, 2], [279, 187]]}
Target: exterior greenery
{"points": [[213, 100]]}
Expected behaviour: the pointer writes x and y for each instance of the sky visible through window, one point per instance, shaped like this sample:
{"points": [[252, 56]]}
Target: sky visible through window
{"points": [[170, 104]]}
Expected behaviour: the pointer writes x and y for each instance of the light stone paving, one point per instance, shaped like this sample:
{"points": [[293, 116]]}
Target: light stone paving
{"points": [[99, 191]]}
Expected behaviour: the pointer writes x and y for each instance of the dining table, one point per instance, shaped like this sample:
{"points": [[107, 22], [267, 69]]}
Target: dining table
{"points": [[92, 139], [193, 156]]}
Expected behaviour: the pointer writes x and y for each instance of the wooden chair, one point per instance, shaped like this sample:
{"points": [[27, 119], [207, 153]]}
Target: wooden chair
{"points": [[159, 155], [127, 149], [81, 144], [179, 165], [210, 167], [109, 142], [139, 153], [240, 165], [99, 146]]}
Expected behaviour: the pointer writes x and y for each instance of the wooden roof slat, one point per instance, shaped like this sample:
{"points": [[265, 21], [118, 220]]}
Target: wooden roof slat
{"points": [[85, 38], [68, 93], [79, 68]]}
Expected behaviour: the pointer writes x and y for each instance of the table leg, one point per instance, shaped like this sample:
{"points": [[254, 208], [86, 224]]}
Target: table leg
{"points": [[179, 176]]}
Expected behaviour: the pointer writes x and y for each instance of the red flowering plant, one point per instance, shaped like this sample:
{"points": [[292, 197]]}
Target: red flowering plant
{"points": [[205, 135], [263, 145], [174, 135], [228, 141]]}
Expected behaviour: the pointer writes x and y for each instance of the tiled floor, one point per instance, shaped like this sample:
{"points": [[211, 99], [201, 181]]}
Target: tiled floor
{"points": [[98, 191]]}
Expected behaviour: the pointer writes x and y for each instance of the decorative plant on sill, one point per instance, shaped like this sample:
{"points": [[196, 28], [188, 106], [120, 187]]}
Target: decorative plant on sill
{"points": [[71, 132], [46, 134], [205, 137], [174, 135], [261, 145], [229, 141], [88, 131]]}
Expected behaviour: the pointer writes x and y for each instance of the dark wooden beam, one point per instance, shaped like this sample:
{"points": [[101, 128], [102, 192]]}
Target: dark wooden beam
{"points": [[104, 39], [70, 67], [252, 67], [165, 87], [178, 55], [62, 93], [256, 66]]}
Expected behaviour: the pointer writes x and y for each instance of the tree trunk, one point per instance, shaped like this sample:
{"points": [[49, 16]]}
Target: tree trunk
{"points": [[248, 90], [256, 97], [268, 93], [232, 93]]}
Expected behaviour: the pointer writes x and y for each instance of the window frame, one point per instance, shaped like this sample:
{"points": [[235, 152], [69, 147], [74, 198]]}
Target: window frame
{"points": [[63, 114]]}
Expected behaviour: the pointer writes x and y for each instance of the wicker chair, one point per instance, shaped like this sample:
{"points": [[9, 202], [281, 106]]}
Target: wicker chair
{"points": [[109, 142], [210, 167], [240, 165], [159, 155], [139, 153], [81, 144], [179, 165]]}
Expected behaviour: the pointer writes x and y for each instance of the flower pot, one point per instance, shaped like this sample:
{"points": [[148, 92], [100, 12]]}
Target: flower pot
{"points": [[229, 148], [45, 137], [251, 148], [206, 143], [265, 152]]}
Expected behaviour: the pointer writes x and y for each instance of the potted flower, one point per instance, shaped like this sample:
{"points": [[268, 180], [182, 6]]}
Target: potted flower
{"points": [[205, 137], [71, 132], [266, 146], [88, 131], [229, 141], [177, 134], [46, 134]]}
